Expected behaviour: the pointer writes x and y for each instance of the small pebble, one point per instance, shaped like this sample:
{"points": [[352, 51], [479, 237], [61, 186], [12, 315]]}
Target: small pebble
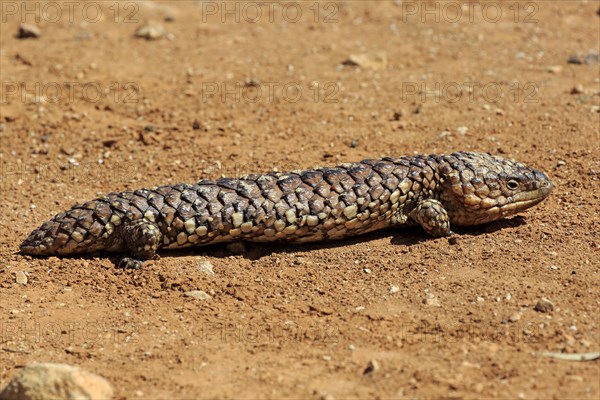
{"points": [[206, 267], [515, 317], [431, 300], [375, 60], [367, 270], [198, 294], [394, 289], [21, 277], [372, 366], [592, 58], [27, 31], [462, 130], [577, 89], [544, 305], [555, 69], [150, 32]]}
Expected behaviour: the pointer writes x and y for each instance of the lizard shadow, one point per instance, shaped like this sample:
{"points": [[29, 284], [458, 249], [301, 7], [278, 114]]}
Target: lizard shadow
{"points": [[402, 236]]}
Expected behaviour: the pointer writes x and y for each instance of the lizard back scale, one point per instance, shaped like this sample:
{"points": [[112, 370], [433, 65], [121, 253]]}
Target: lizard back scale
{"points": [[434, 191]]}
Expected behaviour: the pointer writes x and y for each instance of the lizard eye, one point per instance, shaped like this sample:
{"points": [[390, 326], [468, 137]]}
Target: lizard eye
{"points": [[512, 185]]}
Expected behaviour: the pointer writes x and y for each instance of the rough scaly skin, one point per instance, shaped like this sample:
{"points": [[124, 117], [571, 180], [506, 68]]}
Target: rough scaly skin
{"points": [[301, 206]]}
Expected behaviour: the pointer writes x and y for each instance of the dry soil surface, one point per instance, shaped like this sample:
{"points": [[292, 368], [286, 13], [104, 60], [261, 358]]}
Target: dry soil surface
{"points": [[233, 88]]}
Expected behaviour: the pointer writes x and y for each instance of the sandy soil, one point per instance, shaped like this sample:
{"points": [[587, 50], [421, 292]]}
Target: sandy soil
{"points": [[88, 108]]}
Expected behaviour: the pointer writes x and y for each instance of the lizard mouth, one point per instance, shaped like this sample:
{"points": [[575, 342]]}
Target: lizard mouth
{"points": [[524, 200]]}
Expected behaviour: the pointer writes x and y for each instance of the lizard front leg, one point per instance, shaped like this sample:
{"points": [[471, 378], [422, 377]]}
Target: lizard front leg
{"points": [[432, 216], [142, 238]]}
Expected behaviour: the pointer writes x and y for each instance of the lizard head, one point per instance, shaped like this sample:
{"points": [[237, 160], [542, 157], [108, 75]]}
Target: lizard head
{"points": [[479, 188]]}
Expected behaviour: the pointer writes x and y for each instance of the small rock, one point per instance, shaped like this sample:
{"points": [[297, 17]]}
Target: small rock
{"points": [[56, 381], [198, 294], [206, 267], [27, 31], [444, 134], [394, 289], [83, 35], [555, 69], [196, 125], [236, 247], [374, 60], [150, 32], [574, 59], [397, 115], [354, 143], [21, 277], [544, 305], [367, 270], [462, 130], [372, 366], [515, 317], [592, 58], [569, 339], [431, 300], [561, 163], [577, 89]]}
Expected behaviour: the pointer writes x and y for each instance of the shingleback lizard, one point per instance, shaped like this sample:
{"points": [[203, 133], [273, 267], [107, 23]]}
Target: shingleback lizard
{"points": [[433, 191]]}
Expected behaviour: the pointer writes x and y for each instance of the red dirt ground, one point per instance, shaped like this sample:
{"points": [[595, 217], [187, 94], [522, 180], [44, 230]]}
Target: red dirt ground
{"points": [[88, 108]]}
